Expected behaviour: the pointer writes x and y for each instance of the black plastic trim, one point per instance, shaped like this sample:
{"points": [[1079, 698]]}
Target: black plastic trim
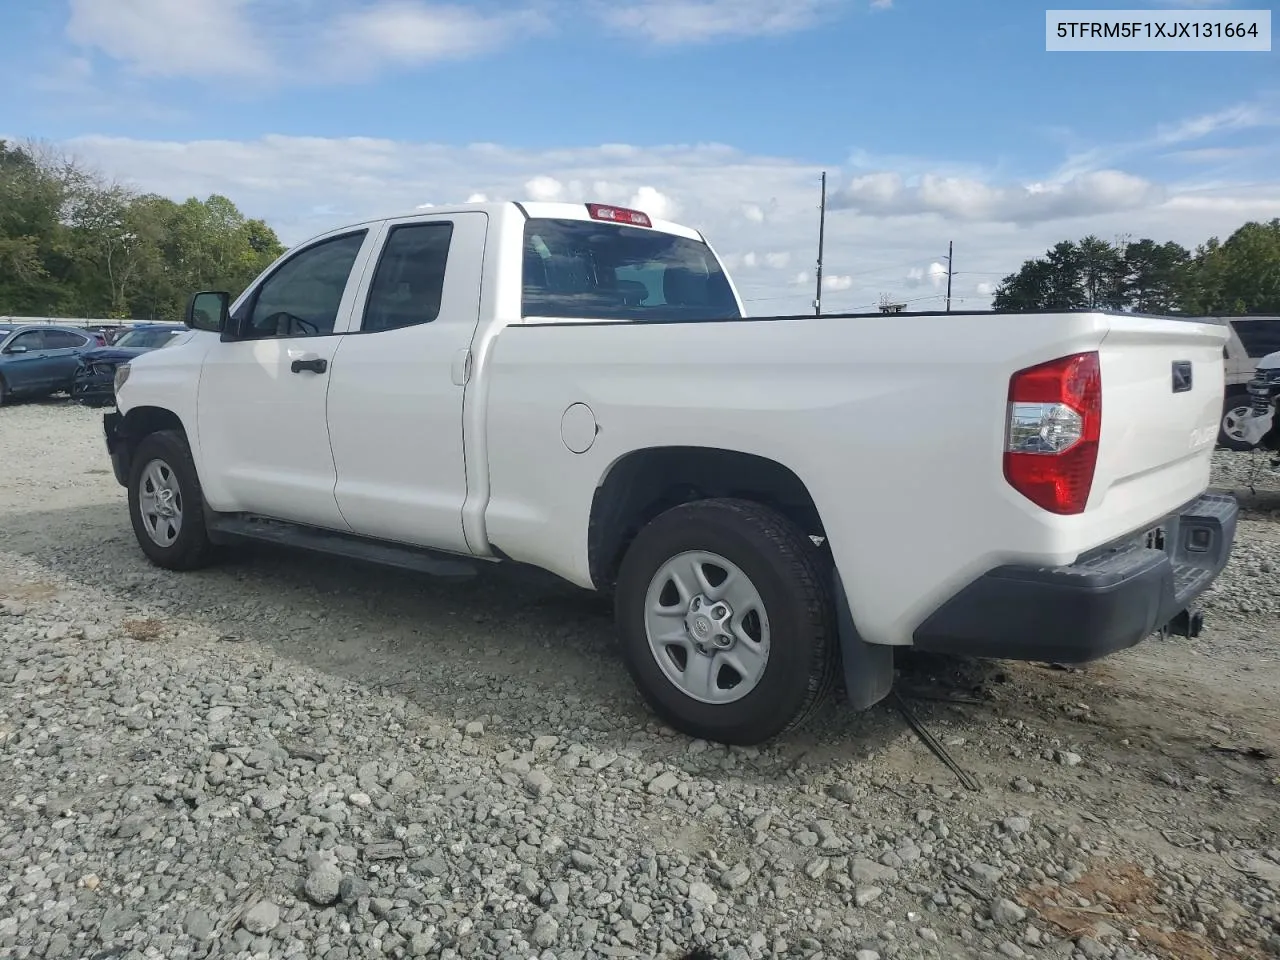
{"points": [[1108, 600], [117, 446]]}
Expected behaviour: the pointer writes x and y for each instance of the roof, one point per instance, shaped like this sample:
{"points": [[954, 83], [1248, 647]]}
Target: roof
{"points": [[534, 209]]}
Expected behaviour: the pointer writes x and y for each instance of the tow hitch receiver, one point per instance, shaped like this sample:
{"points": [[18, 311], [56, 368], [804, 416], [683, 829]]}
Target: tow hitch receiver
{"points": [[1189, 623]]}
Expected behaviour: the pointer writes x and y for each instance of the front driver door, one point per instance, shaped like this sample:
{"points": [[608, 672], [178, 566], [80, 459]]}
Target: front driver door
{"points": [[27, 368], [264, 444]]}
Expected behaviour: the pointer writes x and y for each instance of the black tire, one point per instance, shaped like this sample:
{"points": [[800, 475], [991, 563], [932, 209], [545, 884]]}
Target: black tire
{"points": [[5, 396], [1235, 401], [191, 548], [791, 577]]}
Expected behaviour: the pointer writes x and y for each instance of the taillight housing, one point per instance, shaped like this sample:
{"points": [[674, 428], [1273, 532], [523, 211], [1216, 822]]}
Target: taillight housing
{"points": [[1054, 424], [634, 218]]}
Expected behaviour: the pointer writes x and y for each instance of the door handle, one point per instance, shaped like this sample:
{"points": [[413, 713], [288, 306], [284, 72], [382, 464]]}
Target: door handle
{"points": [[315, 365]]}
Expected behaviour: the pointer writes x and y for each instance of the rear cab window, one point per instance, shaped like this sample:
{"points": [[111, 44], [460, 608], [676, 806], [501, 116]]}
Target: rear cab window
{"points": [[591, 270]]}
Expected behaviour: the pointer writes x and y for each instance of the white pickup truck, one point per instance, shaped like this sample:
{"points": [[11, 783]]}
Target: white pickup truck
{"points": [[772, 502]]}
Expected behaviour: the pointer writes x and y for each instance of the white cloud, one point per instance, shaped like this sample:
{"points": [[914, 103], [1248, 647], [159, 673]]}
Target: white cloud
{"points": [[960, 198], [700, 21], [544, 188], [749, 260], [753, 213], [881, 4], [837, 282], [304, 185], [937, 274], [172, 37], [985, 289], [655, 203], [412, 32], [296, 41], [478, 198]]}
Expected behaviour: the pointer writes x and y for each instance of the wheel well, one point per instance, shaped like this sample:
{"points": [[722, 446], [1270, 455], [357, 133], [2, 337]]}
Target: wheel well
{"points": [[141, 421], [648, 482]]}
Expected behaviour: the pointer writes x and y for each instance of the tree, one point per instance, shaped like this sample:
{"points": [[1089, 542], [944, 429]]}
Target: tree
{"points": [[1240, 275], [73, 244]]}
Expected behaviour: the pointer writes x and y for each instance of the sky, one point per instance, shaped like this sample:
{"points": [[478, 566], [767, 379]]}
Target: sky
{"points": [[936, 121]]}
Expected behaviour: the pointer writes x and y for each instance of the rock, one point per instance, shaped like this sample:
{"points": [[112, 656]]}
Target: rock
{"points": [[663, 784], [986, 873], [1092, 949], [869, 872], [323, 884], [735, 877], [1006, 913], [474, 729], [865, 895], [866, 955], [816, 867], [546, 931], [360, 800], [198, 925], [1017, 825], [545, 743], [1069, 759], [538, 783], [421, 945], [352, 889], [843, 792], [702, 893], [261, 918]]}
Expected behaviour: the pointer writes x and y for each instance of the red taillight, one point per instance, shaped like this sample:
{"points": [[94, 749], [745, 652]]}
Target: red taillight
{"points": [[1051, 440], [633, 218]]}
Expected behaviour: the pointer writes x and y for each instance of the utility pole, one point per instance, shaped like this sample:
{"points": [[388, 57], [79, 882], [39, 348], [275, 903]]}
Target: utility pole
{"points": [[822, 229], [950, 250]]}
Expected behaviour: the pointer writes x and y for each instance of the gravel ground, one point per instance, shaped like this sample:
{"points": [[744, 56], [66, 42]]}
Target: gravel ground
{"points": [[290, 756]]}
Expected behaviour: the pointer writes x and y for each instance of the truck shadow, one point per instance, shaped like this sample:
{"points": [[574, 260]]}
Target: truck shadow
{"points": [[516, 647]]}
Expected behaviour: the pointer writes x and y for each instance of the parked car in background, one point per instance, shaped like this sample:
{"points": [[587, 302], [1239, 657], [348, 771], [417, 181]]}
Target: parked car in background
{"points": [[93, 381], [36, 361], [1252, 338]]}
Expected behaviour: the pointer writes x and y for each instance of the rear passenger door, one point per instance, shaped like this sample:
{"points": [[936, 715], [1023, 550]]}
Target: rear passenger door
{"points": [[63, 350], [396, 393]]}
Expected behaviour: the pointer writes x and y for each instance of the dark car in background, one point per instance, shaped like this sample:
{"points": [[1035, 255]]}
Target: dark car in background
{"points": [[37, 360], [94, 381]]}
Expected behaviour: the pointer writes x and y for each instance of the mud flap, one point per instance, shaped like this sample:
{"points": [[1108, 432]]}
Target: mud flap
{"points": [[868, 667]]}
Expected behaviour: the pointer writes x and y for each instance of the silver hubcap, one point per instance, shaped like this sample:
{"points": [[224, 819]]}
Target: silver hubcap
{"points": [[1233, 422], [160, 503], [707, 627]]}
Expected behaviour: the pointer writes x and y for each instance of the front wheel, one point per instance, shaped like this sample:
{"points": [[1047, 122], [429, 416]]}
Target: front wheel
{"points": [[726, 621], [165, 503], [1235, 410]]}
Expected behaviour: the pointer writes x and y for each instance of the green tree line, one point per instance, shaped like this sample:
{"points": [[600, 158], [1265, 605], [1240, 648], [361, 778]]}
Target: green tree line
{"points": [[1237, 276], [73, 244]]}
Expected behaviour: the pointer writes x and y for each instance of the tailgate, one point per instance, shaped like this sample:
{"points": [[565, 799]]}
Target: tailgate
{"points": [[1162, 390]]}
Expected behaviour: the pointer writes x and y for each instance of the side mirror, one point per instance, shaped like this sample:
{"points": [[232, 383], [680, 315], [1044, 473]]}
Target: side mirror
{"points": [[208, 311], [16, 348]]}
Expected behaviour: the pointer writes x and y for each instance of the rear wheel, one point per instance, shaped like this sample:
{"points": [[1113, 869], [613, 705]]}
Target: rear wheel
{"points": [[4, 392], [726, 621], [1235, 409], [165, 503]]}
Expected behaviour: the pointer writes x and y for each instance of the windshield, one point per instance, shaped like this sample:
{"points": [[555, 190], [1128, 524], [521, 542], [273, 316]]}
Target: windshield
{"points": [[146, 339], [583, 269]]}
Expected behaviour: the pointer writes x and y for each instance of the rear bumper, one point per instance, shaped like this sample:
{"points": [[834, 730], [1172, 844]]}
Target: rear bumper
{"points": [[1109, 600], [117, 446]]}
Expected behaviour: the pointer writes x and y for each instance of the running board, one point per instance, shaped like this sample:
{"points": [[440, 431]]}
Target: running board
{"points": [[224, 527]]}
